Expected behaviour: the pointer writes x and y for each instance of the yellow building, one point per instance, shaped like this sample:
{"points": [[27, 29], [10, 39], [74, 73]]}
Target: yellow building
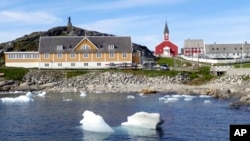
{"points": [[74, 52]]}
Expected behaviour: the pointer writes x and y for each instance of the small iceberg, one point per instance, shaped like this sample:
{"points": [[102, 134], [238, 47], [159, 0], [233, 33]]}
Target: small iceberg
{"points": [[207, 101], [94, 123], [130, 97], [20, 99], [205, 96], [41, 94], [83, 93], [144, 120]]}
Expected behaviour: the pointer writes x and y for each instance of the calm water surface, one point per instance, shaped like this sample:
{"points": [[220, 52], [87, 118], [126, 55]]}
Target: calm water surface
{"points": [[56, 117]]}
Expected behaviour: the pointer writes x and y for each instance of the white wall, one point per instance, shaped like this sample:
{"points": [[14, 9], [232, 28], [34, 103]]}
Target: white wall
{"points": [[23, 65], [213, 61]]}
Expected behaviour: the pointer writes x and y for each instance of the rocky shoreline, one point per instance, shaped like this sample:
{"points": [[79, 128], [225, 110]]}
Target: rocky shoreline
{"points": [[105, 82]]}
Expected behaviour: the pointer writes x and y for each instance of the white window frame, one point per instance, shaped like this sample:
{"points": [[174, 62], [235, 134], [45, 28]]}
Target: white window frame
{"points": [[111, 47], [124, 55], [85, 55], [85, 47], [46, 55], [98, 55], [111, 55], [72, 55], [59, 55], [99, 64]]}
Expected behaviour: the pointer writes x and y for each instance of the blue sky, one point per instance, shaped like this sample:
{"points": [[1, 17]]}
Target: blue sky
{"points": [[220, 21]]}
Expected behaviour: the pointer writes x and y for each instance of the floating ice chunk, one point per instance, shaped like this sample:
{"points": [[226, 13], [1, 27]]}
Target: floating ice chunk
{"points": [[162, 98], [207, 101], [205, 96], [188, 98], [177, 96], [41, 94], [172, 99], [83, 93], [67, 100], [144, 120], [130, 97], [142, 94], [95, 123], [19, 99]]}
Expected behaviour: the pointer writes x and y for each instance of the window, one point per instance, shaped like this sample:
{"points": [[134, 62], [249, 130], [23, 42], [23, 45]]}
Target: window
{"points": [[124, 54], [59, 55], [46, 64], [72, 55], [85, 55], [111, 55], [235, 48], [217, 48], [98, 55], [85, 64], [46, 55], [59, 47], [85, 47], [59, 64], [72, 64], [111, 47], [212, 48], [99, 64]]}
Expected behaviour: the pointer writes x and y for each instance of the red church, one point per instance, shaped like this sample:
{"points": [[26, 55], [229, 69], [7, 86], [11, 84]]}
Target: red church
{"points": [[166, 48]]}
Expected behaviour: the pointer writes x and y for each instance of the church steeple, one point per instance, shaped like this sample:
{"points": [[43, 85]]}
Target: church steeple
{"points": [[70, 28], [166, 32]]}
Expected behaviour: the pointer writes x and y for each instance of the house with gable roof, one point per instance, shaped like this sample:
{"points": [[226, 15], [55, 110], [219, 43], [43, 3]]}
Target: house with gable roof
{"points": [[75, 52]]}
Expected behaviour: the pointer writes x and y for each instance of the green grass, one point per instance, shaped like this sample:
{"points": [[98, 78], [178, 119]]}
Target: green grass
{"points": [[244, 65], [13, 73], [172, 61]]}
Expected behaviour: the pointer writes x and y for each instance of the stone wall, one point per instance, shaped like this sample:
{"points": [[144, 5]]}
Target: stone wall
{"points": [[238, 71]]}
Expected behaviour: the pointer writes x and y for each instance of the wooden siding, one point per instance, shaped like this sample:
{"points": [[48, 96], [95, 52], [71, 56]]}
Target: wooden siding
{"points": [[86, 42]]}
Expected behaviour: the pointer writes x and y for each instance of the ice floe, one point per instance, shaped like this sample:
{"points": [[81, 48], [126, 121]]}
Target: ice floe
{"points": [[207, 101], [144, 120], [41, 94], [95, 123], [130, 97], [20, 99], [83, 93]]}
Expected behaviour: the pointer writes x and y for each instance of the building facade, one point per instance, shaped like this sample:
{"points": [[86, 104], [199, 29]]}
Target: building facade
{"points": [[79, 52], [166, 48], [227, 51], [193, 47]]}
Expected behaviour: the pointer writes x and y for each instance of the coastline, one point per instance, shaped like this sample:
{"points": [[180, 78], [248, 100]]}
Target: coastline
{"points": [[117, 82]]}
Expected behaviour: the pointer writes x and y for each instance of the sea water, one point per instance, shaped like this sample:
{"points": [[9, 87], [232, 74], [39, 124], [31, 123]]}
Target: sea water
{"points": [[57, 116]]}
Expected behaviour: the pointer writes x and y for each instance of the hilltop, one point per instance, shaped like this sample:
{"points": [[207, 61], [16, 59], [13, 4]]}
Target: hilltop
{"points": [[30, 42]]}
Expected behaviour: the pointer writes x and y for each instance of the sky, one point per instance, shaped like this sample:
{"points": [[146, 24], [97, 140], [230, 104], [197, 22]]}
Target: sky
{"points": [[220, 21]]}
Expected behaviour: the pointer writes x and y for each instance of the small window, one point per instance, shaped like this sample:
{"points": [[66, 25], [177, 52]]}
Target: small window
{"points": [[72, 55], [235, 48], [111, 55], [85, 47], [59, 47], [46, 64], [59, 64], [111, 47], [99, 64], [85, 55], [85, 64], [212, 48], [217, 48], [46, 55], [59, 55], [224, 48], [98, 55], [124, 54], [73, 64]]}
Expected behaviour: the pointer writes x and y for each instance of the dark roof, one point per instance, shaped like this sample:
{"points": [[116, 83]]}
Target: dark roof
{"points": [[49, 44], [227, 48], [166, 30], [193, 43]]}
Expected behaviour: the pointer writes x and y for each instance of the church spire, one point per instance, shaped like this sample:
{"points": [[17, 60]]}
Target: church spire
{"points": [[166, 32], [69, 25]]}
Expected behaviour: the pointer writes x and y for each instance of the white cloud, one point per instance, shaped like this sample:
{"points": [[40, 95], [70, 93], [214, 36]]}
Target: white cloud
{"points": [[28, 17]]}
